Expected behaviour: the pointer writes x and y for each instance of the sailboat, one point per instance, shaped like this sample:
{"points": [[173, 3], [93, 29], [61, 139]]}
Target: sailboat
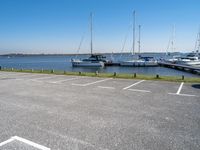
{"points": [[95, 60], [191, 59], [171, 48], [139, 61]]}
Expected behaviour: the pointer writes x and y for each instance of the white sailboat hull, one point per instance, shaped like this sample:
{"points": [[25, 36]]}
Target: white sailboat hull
{"points": [[80, 63], [188, 62]]}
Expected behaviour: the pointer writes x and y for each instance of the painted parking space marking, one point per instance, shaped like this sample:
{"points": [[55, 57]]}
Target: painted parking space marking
{"points": [[6, 142], [78, 84], [180, 88], [91, 83], [64, 80], [30, 143], [42, 78], [30, 75], [106, 87], [178, 93], [14, 74], [133, 84], [182, 94], [136, 90], [26, 77]]}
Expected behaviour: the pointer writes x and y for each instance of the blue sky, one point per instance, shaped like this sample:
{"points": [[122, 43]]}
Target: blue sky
{"points": [[56, 26]]}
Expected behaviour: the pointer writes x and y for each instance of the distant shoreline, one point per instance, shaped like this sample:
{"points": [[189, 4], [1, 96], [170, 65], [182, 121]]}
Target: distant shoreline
{"points": [[21, 54]]}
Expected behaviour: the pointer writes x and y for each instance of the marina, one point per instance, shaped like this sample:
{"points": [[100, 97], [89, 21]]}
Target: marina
{"points": [[99, 75], [63, 63]]}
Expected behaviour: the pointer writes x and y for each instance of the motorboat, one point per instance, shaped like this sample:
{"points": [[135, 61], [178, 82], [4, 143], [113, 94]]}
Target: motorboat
{"points": [[190, 59]]}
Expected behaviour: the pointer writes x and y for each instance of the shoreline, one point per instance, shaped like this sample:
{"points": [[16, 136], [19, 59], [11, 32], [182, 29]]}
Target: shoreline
{"points": [[72, 54], [155, 77]]}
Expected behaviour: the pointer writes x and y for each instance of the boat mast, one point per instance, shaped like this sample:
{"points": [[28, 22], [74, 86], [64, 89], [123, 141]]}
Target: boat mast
{"points": [[198, 46], [170, 47], [139, 46], [91, 28], [197, 43], [134, 23], [173, 39]]}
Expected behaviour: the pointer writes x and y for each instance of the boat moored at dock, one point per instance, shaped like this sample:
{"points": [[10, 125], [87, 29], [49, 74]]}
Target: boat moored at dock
{"points": [[141, 62], [138, 61], [93, 61]]}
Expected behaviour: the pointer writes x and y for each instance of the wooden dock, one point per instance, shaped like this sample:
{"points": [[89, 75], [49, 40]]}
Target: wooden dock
{"points": [[180, 67]]}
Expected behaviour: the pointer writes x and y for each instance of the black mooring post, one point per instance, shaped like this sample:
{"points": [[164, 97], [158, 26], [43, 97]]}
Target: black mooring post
{"points": [[135, 75], [183, 77]]}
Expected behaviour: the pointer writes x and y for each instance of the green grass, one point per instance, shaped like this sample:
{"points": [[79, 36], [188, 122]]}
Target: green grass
{"points": [[111, 75]]}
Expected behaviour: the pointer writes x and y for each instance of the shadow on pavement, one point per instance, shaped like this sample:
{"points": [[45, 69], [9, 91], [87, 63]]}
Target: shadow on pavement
{"points": [[197, 86]]}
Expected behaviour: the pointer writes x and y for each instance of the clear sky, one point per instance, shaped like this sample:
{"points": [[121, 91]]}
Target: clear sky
{"points": [[56, 26]]}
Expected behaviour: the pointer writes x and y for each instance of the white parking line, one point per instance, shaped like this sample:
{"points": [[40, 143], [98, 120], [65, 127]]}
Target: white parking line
{"points": [[6, 142], [8, 74], [40, 79], [30, 143], [178, 93], [60, 81], [31, 75], [91, 82], [106, 87], [182, 94], [136, 90], [48, 77], [133, 84], [78, 84], [24, 141], [180, 87]]}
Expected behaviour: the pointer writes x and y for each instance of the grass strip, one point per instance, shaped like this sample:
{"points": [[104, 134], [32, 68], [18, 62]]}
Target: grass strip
{"points": [[109, 75]]}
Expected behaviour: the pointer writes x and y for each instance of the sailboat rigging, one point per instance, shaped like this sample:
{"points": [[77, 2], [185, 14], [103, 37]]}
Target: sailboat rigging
{"points": [[140, 61], [95, 60]]}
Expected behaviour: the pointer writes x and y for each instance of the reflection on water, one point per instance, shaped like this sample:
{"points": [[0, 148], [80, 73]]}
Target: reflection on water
{"points": [[63, 63]]}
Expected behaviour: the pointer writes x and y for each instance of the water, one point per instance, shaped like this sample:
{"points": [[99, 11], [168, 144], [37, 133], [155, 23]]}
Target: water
{"points": [[61, 62]]}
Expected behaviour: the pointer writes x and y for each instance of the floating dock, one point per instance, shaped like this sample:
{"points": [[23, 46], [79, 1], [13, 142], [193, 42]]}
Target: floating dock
{"points": [[112, 64], [180, 67]]}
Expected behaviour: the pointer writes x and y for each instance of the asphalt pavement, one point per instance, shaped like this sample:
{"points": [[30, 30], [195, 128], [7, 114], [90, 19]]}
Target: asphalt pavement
{"points": [[58, 112]]}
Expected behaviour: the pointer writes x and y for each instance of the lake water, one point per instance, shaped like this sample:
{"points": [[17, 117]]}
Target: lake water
{"points": [[61, 62]]}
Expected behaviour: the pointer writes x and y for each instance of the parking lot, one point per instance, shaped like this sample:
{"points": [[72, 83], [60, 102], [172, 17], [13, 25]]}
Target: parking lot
{"points": [[58, 112]]}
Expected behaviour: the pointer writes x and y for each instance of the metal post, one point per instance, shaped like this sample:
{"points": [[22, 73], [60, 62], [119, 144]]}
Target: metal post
{"points": [[139, 46], [183, 77], [134, 24], [91, 28], [135, 75]]}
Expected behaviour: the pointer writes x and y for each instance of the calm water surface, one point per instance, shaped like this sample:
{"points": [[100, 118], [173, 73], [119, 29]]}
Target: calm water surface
{"points": [[63, 63]]}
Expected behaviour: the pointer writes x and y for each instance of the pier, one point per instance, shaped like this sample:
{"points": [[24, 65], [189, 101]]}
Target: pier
{"points": [[181, 67]]}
